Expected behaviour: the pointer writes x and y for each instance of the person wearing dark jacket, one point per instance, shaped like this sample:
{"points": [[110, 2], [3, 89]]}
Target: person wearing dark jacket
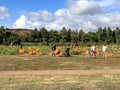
{"points": [[53, 48], [67, 52]]}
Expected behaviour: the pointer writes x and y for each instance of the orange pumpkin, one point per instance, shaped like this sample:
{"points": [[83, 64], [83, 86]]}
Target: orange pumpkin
{"points": [[30, 52], [111, 54], [57, 51], [21, 51], [61, 53], [40, 54], [77, 51]]}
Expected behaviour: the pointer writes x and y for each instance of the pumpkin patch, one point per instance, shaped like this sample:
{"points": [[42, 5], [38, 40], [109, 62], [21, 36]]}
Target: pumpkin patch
{"points": [[21, 51]]}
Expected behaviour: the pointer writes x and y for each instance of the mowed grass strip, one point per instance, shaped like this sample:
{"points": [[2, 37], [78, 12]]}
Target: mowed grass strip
{"points": [[47, 62], [91, 82]]}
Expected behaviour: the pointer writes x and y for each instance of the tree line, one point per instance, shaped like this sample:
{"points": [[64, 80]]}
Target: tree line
{"points": [[42, 35]]}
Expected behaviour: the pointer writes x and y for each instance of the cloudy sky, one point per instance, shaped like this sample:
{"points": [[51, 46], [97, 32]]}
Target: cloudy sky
{"points": [[55, 14]]}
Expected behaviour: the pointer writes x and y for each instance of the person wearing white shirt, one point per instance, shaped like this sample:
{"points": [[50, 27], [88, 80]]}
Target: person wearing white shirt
{"points": [[93, 51], [104, 51]]}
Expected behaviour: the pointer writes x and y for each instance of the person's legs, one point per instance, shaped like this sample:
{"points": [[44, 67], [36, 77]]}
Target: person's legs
{"points": [[53, 54], [105, 54]]}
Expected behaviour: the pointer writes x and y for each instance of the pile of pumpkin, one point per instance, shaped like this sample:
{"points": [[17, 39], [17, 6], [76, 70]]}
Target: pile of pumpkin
{"points": [[58, 52], [30, 51]]}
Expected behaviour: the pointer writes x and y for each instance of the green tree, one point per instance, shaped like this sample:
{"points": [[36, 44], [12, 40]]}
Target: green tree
{"points": [[63, 35], [91, 37], [81, 36], [101, 34], [33, 35], [11, 38], [110, 36], [2, 34], [117, 35], [74, 36], [44, 34], [69, 32], [104, 34], [53, 36]]}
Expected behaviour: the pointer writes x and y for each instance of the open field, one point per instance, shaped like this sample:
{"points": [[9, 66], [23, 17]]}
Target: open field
{"points": [[47, 62], [25, 72], [56, 82]]}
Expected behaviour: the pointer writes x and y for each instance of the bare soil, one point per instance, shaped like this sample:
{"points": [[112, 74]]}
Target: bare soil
{"points": [[60, 72]]}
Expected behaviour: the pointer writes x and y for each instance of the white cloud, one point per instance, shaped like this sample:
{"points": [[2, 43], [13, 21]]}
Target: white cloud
{"points": [[3, 12], [34, 15], [110, 5], [20, 22], [106, 3], [46, 16], [80, 14], [33, 20], [24, 22], [40, 15], [84, 7], [62, 12]]}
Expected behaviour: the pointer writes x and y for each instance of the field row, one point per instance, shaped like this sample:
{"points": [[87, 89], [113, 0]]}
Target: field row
{"points": [[46, 50]]}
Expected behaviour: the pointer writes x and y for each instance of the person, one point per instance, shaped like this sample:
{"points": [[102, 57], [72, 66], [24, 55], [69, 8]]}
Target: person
{"points": [[53, 48], [87, 53], [67, 52], [93, 51], [104, 51]]}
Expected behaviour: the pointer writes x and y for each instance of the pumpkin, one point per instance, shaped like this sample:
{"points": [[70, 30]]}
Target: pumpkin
{"points": [[98, 53], [21, 51], [30, 52], [77, 51], [111, 54], [61, 53], [40, 54], [57, 51]]}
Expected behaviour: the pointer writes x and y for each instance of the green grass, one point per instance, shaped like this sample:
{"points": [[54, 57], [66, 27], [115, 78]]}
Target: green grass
{"points": [[67, 82], [47, 62], [92, 82]]}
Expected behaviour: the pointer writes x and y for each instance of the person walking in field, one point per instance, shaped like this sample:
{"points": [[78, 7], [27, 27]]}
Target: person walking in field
{"points": [[67, 52], [104, 51], [53, 48], [87, 53], [93, 51]]}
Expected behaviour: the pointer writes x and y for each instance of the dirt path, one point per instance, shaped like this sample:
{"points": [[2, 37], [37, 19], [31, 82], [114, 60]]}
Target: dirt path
{"points": [[59, 72]]}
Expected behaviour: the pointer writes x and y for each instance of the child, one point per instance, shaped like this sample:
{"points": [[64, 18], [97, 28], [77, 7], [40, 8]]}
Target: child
{"points": [[104, 51], [87, 54], [67, 52], [93, 51]]}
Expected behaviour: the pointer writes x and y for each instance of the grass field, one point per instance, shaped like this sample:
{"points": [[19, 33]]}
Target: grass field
{"points": [[58, 82], [91, 82], [47, 62]]}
